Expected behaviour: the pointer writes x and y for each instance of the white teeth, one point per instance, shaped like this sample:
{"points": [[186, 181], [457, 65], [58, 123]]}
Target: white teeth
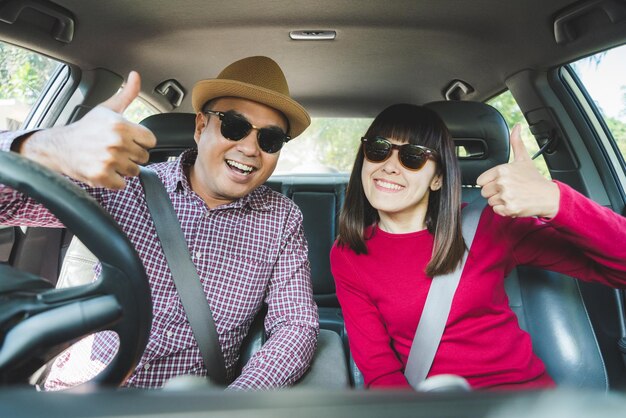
{"points": [[246, 168], [386, 185]]}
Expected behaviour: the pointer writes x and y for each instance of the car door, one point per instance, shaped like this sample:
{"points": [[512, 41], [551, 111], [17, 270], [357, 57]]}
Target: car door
{"points": [[29, 84], [577, 114], [596, 84]]}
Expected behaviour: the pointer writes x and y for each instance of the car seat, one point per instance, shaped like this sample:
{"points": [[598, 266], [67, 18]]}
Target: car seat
{"points": [[548, 305]]}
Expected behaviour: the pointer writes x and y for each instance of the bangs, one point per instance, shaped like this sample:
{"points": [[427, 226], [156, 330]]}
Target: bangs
{"points": [[407, 123]]}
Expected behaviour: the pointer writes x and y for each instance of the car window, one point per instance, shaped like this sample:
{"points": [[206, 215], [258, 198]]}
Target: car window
{"points": [[507, 106], [603, 76], [138, 110], [329, 145], [23, 77]]}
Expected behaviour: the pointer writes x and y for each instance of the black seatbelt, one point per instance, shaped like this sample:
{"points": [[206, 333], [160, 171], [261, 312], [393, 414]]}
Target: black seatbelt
{"points": [[438, 303], [185, 275]]}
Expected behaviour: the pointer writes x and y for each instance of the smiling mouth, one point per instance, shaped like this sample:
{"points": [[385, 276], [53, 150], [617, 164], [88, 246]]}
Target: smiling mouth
{"points": [[240, 168], [388, 186]]}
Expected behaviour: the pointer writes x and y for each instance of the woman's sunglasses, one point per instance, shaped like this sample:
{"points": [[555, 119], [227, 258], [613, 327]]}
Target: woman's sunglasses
{"points": [[412, 157], [235, 127]]}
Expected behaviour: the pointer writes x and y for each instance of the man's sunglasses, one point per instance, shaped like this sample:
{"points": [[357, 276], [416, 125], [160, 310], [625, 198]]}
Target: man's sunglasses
{"points": [[412, 157], [235, 127]]}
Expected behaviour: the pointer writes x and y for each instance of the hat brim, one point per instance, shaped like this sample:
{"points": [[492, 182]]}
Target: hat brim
{"points": [[206, 90]]}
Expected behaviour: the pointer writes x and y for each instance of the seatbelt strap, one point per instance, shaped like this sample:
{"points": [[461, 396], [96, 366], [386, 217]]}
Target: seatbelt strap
{"points": [[438, 304], [185, 275]]}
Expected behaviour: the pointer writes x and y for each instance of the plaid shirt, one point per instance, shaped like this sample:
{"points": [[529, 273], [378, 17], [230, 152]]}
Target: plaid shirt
{"points": [[250, 251]]}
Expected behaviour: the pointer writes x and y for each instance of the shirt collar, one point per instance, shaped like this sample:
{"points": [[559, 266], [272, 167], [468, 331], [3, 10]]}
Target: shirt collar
{"points": [[177, 181]]}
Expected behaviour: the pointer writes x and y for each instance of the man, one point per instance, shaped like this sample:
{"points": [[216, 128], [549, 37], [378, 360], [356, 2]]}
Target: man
{"points": [[246, 241]]}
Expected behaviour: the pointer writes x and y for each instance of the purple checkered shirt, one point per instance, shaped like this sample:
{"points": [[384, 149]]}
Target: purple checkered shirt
{"points": [[248, 252]]}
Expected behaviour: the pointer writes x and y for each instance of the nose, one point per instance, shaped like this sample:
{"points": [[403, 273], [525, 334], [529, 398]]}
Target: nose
{"points": [[249, 145], [392, 164]]}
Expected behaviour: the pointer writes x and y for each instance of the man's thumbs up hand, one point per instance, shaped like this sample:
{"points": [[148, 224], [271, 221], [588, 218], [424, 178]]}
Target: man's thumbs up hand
{"points": [[120, 101], [101, 148]]}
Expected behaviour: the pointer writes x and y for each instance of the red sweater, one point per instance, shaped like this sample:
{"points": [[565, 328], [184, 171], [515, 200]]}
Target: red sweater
{"points": [[382, 293]]}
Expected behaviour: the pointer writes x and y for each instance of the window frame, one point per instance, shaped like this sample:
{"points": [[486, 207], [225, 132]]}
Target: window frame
{"points": [[49, 103], [586, 107], [54, 94]]}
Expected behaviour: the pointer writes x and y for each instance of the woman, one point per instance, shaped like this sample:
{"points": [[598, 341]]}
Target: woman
{"points": [[400, 226]]}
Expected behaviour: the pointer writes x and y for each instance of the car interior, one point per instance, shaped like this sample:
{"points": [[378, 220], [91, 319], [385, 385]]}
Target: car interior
{"points": [[341, 59]]}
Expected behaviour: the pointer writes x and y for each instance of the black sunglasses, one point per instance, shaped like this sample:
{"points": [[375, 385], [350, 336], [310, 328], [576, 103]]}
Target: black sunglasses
{"points": [[235, 127], [412, 157]]}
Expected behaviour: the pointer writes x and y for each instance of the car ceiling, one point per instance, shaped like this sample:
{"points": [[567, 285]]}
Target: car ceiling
{"points": [[385, 51]]}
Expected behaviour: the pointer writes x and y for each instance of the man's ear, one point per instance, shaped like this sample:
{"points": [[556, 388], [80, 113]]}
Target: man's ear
{"points": [[436, 182], [201, 123]]}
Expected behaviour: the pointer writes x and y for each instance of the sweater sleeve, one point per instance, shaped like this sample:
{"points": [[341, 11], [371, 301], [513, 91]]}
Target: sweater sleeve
{"points": [[584, 240], [370, 342]]}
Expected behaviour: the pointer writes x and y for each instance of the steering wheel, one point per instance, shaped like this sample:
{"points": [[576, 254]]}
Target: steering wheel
{"points": [[37, 322]]}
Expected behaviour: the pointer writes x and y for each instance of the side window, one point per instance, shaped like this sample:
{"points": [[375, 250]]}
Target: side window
{"points": [[23, 77], [603, 77], [506, 104]]}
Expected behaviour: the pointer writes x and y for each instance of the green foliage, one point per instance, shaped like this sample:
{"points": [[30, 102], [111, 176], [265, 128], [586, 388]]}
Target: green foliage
{"points": [[623, 112], [328, 145], [338, 141], [138, 110], [23, 73], [618, 130], [507, 106]]}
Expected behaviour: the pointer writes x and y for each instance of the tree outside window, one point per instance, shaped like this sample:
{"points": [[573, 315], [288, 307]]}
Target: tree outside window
{"points": [[23, 75]]}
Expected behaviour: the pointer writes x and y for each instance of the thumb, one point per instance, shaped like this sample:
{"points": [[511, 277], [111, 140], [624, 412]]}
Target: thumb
{"points": [[120, 101], [520, 153]]}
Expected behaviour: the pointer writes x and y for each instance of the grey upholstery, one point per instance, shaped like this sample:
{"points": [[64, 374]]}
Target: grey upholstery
{"points": [[548, 305], [551, 308], [329, 368], [320, 200], [78, 264], [319, 210]]}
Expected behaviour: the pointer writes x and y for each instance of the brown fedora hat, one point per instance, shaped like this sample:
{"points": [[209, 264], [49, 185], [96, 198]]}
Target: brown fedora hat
{"points": [[254, 78]]}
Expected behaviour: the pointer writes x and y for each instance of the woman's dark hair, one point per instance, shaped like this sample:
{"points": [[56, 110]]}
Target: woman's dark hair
{"points": [[421, 126]]}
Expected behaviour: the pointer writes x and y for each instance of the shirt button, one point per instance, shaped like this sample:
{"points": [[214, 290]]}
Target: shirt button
{"points": [[146, 366], [198, 254], [169, 333]]}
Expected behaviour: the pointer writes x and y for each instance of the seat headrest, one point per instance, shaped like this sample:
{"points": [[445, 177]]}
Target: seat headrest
{"points": [[480, 134], [174, 133]]}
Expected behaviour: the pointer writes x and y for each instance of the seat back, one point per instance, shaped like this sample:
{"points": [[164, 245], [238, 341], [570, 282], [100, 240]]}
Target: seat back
{"points": [[174, 133], [548, 305], [320, 199]]}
